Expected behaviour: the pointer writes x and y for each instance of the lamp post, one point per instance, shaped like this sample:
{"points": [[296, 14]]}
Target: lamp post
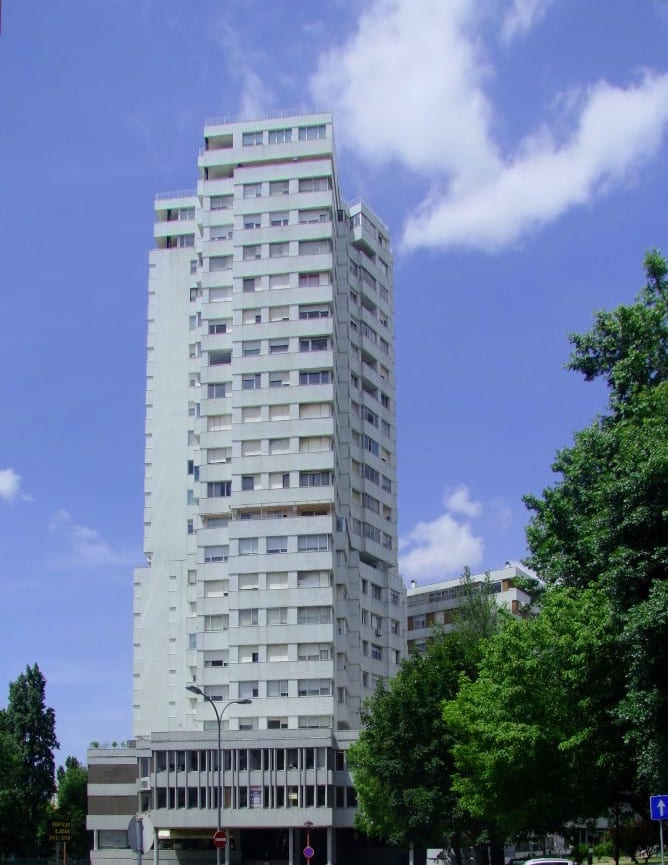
{"points": [[194, 689]]}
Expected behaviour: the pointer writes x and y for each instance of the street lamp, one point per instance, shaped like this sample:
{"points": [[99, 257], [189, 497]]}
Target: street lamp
{"points": [[194, 689]]}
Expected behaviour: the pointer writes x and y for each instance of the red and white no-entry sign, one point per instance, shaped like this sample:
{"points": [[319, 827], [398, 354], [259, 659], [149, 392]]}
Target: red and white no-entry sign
{"points": [[220, 838]]}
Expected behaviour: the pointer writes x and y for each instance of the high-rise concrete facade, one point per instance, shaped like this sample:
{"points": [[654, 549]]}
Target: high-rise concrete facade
{"points": [[270, 492]]}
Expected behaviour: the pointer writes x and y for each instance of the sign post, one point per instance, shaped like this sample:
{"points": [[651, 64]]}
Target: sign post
{"points": [[658, 810], [220, 839]]}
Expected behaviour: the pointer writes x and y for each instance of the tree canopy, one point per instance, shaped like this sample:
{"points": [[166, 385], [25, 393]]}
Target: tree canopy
{"points": [[28, 728]]}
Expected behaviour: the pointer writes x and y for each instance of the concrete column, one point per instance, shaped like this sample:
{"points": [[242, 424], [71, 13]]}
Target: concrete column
{"points": [[291, 846], [156, 847], [330, 845]]}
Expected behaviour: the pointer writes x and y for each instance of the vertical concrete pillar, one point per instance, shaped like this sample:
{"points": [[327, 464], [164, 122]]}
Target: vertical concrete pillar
{"points": [[291, 846], [330, 845]]}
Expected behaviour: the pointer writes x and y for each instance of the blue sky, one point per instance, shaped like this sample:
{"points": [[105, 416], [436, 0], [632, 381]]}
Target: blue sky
{"points": [[516, 149]]}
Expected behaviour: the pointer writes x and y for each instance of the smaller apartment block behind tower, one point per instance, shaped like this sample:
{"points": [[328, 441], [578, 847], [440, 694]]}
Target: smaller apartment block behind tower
{"points": [[270, 512]]}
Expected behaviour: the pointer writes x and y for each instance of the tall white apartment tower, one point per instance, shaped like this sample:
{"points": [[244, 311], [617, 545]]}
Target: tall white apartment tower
{"points": [[270, 488], [270, 507]]}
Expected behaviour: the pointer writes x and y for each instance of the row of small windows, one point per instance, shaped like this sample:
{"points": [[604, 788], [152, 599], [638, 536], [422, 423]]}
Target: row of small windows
{"points": [[272, 219], [254, 796], [320, 579], [272, 544], [273, 187], [284, 136]]}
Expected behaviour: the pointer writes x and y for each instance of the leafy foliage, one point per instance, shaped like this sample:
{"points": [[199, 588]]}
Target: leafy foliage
{"points": [[605, 522], [30, 726], [73, 803], [536, 743]]}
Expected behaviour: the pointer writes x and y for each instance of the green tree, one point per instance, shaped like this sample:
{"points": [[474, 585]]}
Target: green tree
{"points": [[31, 726], [402, 762], [9, 788], [73, 803], [605, 522], [535, 742]]}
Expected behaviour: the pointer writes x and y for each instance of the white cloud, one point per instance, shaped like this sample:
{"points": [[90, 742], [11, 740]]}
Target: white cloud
{"points": [[460, 502], [81, 546], [10, 484], [522, 16], [407, 87], [616, 130], [443, 546]]}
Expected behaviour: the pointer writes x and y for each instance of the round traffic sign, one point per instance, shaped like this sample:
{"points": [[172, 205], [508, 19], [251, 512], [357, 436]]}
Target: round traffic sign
{"points": [[309, 852], [219, 838]]}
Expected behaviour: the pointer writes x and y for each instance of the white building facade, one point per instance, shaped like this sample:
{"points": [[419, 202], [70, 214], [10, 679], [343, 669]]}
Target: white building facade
{"points": [[270, 496]]}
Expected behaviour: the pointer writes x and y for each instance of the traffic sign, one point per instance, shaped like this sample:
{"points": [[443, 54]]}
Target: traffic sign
{"points": [[658, 807], [220, 838], [309, 852]]}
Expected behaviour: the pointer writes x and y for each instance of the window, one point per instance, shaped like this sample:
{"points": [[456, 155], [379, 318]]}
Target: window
{"points": [[247, 546], [250, 347], [248, 689], [278, 313], [315, 247], [314, 310], [216, 422], [252, 252], [314, 615], [370, 445], [221, 232], [376, 652], [252, 221], [252, 190], [279, 250], [312, 444], [251, 316], [315, 409], [277, 580], [277, 616], [221, 202], [277, 652], [314, 579], [252, 381], [313, 543], [248, 655], [376, 592], [219, 455], [280, 136], [219, 292], [279, 280], [185, 240], [279, 218], [251, 414], [315, 479], [315, 184], [277, 723], [312, 280], [371, 474], [251, 448], [314, 343], [314, 215], [278, 346], [215, 522], [248, 617], [217, 553], [279, 480], [312, 133], [218, 489], [220, 262], [280, 378], [315, 376], [215, 623], [251, 139], [279, 446], [277, 688], [314, 652], [277, 544], [279, 187], [248, 482], [250, 283], [248, 582], [314, 688], [216, 327], [312, 722]]}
